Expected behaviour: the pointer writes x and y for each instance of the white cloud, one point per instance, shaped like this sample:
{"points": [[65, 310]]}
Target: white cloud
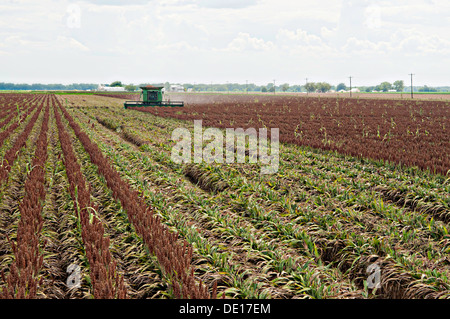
{"points": [[355, 46], [63, 42], [328, 33], [372, 17], [176, 46], [422, 44], [245, 42], [118, 2], [23, 45], [303, 44], [299, 37], [221, 4]]}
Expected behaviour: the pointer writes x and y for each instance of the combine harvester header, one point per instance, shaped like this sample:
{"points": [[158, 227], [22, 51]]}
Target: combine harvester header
{"points": [[152, 96]]}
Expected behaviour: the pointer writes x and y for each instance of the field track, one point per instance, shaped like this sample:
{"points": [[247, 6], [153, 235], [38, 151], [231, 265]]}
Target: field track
{"points": [[360, 184]]}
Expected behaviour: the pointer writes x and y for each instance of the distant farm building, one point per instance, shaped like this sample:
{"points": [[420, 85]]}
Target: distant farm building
{"points": [[352, 90], [110, 88], [176, 88]]}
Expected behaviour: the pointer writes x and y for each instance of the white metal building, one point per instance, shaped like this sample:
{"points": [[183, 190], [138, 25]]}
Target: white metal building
{"points": [[111, 88], [176, 88]]}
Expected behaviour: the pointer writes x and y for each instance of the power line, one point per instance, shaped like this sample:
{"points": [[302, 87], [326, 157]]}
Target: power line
{"points": [[411, 74], [350, 77]]}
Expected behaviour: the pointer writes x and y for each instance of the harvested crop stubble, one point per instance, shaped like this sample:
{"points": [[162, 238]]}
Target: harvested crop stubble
{"points": [[204, 179], [122, 130], [406, 132]]}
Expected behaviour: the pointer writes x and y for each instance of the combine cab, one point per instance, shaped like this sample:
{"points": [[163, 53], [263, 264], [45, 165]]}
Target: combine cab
{"points": [[152, 96]]}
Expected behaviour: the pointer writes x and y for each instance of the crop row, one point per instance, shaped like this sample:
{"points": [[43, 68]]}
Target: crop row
{"points": [[130, 96], [12, 190], [12, 153], [27, 110], [16, 105], [22, 280], [32, 267], [14, 102], [173, 256], [105, 282]]}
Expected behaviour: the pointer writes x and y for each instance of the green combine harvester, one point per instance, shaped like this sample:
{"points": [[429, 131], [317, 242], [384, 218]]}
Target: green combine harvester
{"points": [[152, 96]]}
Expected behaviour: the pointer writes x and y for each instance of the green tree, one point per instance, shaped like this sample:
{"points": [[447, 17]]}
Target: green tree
{"points": [[399, 85], [130, 87], [385, 86], [295, 88], [426, 88], [323, 87], [341, 86], [116, 83], [284, 87], [310, 87], [263, 89]]}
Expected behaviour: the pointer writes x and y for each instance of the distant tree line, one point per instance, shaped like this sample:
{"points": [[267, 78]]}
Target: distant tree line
{"points": [[239, 87], [42, 87], [427, 89], [385, 86]]}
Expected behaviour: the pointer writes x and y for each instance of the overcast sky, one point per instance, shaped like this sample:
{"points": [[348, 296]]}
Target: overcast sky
{"points": [[204, 41]]}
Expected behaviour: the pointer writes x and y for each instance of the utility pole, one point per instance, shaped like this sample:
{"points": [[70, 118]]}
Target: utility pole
{"points": [[306, 82], [246, 86], [273, 86], [350, 85], [411, 74]]}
